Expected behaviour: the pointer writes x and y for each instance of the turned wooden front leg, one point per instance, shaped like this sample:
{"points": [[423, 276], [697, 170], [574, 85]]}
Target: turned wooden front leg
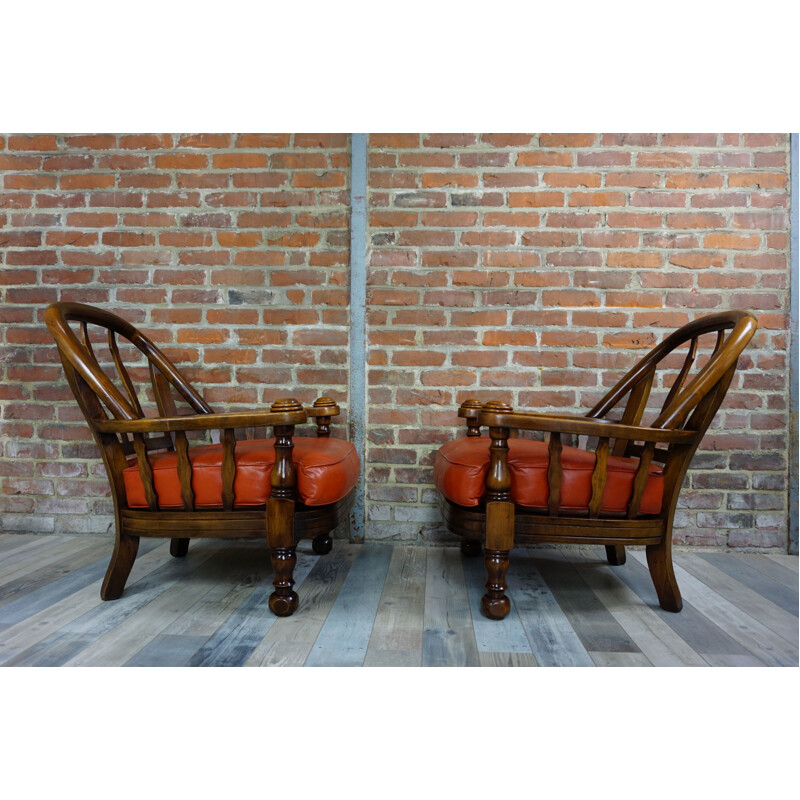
{"points": [[283, 601], [499, 521], [280, 515]]}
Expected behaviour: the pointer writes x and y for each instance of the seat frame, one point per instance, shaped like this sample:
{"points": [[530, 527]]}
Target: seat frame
{"points": [[283, 521], [671, 440]]}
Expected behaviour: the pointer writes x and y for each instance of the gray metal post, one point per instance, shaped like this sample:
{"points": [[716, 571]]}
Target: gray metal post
{"points": [[358, 307], [794, 276]]}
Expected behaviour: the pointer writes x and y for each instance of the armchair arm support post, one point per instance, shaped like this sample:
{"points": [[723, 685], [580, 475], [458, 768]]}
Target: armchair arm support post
{"points": [[280, 514], [499, 520]]}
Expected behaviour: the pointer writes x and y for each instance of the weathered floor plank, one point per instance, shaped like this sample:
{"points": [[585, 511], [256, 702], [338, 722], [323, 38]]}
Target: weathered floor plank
{"points": [[239, 568], [234, 641], [746, 573], [384, 605], [136, 631], [773, 570], [11, 543], [448, 638], [620, 659], [290, 639], [38, 556], [700, 633], [397, 633], [80, 633], [32, 630], [754, 604], [46, 575], [507, 660], [655, 639], [596, 627], [492, 636], [48, 593], [790, 562], [553, 641], [344, 637], [759, 640]]}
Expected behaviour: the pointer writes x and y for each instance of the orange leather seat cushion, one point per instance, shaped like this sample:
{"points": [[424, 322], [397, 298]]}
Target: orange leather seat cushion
{"points": [[327, 469], [461, 465]]}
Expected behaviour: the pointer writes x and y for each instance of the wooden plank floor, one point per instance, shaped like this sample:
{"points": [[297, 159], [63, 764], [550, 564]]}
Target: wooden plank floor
{"points": [[383, 605]]}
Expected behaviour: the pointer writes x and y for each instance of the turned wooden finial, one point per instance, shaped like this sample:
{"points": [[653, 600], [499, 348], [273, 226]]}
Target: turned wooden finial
{"points": [[324, 422], [497, 407], [470, 409], [286, 404]]}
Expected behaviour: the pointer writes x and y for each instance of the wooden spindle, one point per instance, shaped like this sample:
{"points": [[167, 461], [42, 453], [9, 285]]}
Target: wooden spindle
{"points": [[599, 475], [184, 470], [228, 467], [554, 474], [145, 471], [640, 479]]}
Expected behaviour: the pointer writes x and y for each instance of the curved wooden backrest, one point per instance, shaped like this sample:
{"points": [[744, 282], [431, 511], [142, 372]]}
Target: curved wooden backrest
{"points": [[691, 404], [91, 386], [670, 440]]}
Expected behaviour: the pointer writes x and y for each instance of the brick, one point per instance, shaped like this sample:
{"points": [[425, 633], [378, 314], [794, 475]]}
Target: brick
{"points": [[506, 139], [567, 139], [732, 241], [394, 141], [238, 160], [263, 140], [215, 140], [161, 141], [596, 199], [433, 180], [535, 199], [449, 140], [634, 259], [572, 179], [697, 260]]}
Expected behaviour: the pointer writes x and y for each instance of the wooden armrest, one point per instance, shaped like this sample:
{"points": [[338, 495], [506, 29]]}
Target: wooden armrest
{"points": [[202, 422], [564, 423]]}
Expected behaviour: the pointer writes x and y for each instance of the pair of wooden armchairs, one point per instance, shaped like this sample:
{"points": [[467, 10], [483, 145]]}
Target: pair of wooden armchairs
{"points": [[496, 489]]}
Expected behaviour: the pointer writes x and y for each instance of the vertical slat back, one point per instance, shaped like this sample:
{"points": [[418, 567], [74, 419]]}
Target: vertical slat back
{"points": [[228, 467], [687, 365], [554, 474], [145, 471], [637, 402], [123, 373], [640, 479], [162, 391], [184, 470], [87, 342], [599, 474]]}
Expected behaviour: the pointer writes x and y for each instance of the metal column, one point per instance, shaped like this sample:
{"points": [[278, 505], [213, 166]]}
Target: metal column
{"points": [[358, 305]]}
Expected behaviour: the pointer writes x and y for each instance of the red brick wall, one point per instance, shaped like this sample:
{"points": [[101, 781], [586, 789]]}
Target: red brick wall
{"points": [[536, 268], [533, 268], [230, 251]]}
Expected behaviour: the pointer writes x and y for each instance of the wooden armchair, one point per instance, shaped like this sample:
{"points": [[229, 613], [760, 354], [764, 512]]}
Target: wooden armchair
{"points": [[284, 489], [623, 491]]}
